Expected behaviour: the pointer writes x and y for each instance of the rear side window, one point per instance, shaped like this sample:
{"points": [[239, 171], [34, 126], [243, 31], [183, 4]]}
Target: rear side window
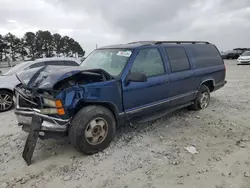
{"points": [[204, 55], [177, 58]]}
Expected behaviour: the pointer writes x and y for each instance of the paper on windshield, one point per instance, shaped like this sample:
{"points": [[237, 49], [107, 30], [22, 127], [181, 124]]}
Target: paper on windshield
{"points": [[124, 53]]}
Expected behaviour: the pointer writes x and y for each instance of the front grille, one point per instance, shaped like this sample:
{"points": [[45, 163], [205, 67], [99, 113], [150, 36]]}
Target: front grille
{"points": [[26, 101]]}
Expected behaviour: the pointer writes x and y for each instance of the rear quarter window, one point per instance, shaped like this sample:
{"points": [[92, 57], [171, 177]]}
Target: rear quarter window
{"points": [[204, 55]]}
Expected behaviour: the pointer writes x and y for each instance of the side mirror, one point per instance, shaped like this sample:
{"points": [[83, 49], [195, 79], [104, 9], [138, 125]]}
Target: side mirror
{"points": [[136, 77], [1, 72]]}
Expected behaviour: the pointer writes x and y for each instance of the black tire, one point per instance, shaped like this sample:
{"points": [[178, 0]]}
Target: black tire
{"points": [[10, 100], [198, 105], [80, 124]]}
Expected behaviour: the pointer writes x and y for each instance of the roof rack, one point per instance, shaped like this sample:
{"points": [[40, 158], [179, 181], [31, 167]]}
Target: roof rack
{"points": [[169, 42], [142, 42], [182, 42]]}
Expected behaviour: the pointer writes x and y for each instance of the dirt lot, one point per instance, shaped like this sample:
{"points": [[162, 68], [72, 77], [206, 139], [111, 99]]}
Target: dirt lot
{"points": [[150, 155]]}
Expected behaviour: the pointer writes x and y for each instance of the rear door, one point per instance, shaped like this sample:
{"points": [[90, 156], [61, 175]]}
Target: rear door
{"points": [[145, 98], [181, 76]]}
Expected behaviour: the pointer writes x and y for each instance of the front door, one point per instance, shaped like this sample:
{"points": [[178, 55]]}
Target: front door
{"points": [[145, 98]]}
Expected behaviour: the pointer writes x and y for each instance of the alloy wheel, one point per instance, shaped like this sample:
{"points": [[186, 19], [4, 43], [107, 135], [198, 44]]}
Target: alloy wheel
{"points": [[5, 102]]}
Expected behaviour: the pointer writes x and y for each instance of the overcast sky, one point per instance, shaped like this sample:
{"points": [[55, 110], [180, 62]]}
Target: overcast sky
{"points": [[225, 23]]}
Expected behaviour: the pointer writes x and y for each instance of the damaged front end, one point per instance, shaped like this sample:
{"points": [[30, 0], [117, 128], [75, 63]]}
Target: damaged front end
{"points": [[30, 103], [46, 100]]}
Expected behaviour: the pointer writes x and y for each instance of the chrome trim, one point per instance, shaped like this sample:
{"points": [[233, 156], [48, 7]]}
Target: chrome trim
{"points": [[47, 126], [162, 102], [34, 112], [26, 99], [121, 114]]}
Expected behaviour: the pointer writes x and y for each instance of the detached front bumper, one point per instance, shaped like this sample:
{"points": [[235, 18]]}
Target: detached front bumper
{"points": [[49, 124]]}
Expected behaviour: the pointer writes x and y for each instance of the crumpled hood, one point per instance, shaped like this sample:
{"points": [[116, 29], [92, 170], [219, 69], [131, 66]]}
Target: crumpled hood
{"points": [[46, 77]]}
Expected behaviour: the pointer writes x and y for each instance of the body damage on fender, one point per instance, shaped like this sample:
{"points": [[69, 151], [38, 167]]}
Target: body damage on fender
{"points": [[75, 87]]}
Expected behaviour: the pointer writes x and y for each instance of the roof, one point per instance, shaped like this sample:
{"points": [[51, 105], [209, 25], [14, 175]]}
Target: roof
{"points": [[133, 45]]}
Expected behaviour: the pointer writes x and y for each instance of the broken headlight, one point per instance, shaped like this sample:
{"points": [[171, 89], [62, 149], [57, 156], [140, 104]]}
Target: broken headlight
{"points": [[52, 103]]}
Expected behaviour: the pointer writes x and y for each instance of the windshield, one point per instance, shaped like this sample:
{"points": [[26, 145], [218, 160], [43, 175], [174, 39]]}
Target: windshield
{"points": [[15, 69], [111, 60], [246, 53]]}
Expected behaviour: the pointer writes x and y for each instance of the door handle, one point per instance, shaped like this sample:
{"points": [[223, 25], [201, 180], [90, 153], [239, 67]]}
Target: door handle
{"points": [[166, 81]]}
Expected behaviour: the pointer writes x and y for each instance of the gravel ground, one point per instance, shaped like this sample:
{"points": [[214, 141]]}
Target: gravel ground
{"points": [[149, 155]]}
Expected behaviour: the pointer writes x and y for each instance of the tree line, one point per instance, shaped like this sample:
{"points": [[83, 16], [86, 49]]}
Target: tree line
{"points": [[38, 45]]}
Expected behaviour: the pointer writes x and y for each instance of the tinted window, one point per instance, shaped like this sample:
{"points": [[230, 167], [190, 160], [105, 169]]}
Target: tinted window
{"points": [[35, 65], [204, 55], [55, 63], [178, 59], [148, 61], [71, 63], [62, 63]]}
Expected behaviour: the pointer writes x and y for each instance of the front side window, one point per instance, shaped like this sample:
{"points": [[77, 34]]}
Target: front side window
{"points": [[111, 60], [149, 62], [178, 59]]}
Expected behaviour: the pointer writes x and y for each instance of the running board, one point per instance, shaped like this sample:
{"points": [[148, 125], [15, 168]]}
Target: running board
{"points": [[161, 114]]}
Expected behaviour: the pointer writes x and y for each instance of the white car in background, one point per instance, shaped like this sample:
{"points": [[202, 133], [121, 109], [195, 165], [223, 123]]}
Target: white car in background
{"points": [[244, 58], [8, 80]]}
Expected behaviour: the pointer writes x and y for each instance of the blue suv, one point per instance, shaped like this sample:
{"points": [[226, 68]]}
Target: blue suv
{"points": [[115, 85]]}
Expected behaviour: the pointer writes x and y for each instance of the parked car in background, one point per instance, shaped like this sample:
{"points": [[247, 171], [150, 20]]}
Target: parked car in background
{"points": [[223, 54], [231, 54], [244, 58], [8, 80], [116, 85]]}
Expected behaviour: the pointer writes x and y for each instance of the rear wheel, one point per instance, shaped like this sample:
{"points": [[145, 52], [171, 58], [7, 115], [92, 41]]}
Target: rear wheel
{"points": [[6, 101], [92, 129], [202, 100]]}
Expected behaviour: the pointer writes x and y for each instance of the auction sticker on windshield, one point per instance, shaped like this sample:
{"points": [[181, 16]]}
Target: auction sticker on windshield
{"points": [[124, 53]]}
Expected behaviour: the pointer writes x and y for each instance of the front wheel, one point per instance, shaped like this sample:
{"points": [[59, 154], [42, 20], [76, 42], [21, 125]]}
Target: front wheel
{"points": [[202, 100], [93, 129]]}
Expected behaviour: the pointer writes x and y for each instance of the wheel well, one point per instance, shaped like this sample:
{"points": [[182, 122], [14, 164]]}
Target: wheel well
{"points": [[109, 106], [7, 90], [209, 84]]}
